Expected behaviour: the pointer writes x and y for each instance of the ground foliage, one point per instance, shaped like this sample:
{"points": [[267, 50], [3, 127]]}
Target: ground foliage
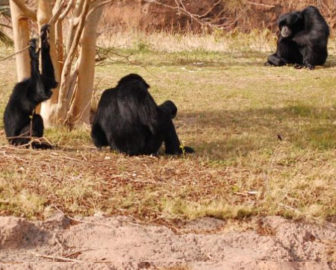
{"points": [[264, 138]]}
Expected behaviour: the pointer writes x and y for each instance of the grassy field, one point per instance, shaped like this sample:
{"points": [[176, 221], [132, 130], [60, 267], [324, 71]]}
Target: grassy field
{"points": [[265, 141]]}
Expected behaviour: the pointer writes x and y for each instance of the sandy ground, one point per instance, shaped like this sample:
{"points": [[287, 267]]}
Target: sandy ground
{"points": [[122, 243]]}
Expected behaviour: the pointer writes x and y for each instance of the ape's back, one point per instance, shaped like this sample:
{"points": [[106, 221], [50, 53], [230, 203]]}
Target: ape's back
{"points": [[314, 21], [128, 116]]}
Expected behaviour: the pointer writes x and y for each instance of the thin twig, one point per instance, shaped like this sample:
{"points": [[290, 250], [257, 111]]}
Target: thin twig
{"points": [[81, 221], [180, 8], [260, 4], [5, 58], [67, 9], [57, 258], [64, 259]]}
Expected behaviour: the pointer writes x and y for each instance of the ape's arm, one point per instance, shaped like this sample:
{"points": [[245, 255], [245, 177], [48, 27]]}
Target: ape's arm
{"points": [[34, 59], [48, 73], [302, 38]]}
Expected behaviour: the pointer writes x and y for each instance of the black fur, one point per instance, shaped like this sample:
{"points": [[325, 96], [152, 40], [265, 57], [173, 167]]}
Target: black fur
{"points": [[21, 123], [128, 120], [303, 39]]}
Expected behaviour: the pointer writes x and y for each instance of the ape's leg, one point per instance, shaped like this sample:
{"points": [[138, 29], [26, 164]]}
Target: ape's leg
{"points": [[308, 65], [37, 126], [168, 132], [171, 140], [34, 128], [153, 144], [98, 136], [21, 138], [275, 60], [287, 53], [37, 132], [313, 57], [165, 133], [280, 57]]}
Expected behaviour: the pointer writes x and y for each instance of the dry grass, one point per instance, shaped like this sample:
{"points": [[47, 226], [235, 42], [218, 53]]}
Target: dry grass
{"points": [[165, 42], [232, 110]]}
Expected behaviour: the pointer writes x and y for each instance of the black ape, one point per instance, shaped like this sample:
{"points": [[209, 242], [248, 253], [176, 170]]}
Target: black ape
{"points": [[21, 122], [303, 39], [128, 120]]}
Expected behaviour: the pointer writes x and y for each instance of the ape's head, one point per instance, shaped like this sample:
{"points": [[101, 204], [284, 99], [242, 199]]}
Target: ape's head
{"points": [[169, 107], [290, 24], [132, 78]]}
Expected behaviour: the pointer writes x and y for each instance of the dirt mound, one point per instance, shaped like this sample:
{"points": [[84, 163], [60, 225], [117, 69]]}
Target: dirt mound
{"points": [[122, 243]]}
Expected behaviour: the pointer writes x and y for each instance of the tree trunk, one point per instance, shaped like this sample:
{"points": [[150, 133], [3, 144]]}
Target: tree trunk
{"points": [[48, 108], [80, 111], [70, 103], [67, 77], [21, 40]]}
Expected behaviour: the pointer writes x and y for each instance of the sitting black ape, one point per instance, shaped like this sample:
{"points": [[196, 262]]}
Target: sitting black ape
{"points": [[21, 122], [128, 120], [303, 39]]}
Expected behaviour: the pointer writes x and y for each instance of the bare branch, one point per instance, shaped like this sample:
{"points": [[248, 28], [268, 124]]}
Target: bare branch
{"points": [[260, 4], [5, 25], [5, 58], [99, 3], [57, 11], [210, 9], [181, 8], [67, 9]]}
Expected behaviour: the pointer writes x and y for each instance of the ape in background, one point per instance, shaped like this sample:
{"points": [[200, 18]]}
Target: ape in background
{"points": [[303, 39], [128, 120], [20, 120]]}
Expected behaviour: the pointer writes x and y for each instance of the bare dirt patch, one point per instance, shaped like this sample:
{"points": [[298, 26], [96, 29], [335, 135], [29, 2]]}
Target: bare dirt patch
{"points": [[123, 243]]}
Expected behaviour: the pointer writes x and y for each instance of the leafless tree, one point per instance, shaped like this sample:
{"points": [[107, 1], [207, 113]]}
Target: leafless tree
{"points": [[73, 54]]}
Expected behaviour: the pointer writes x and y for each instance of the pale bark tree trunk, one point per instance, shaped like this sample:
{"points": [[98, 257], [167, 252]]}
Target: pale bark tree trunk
{"points": [[74, 24], [80, 111], [20, 24], [67, 78], [70, 103], [44, 14]]}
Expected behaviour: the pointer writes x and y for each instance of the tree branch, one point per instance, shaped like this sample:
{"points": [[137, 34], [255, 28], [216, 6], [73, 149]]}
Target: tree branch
{"points": [[67, 9], [200, 19], [57, 11], [260, 4], [63, 103], [27, 11]]}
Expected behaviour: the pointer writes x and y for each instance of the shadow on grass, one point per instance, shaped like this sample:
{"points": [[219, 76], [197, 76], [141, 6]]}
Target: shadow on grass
{"points": [[200, 59], [242, 132], [194, 59], [331, 62]]}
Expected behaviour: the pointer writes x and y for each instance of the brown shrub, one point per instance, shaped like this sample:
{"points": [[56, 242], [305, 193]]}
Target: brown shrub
{"points": [[200, 16]]}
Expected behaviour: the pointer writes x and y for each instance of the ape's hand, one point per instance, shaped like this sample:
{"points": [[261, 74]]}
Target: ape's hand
{"points": [[45, 30]]}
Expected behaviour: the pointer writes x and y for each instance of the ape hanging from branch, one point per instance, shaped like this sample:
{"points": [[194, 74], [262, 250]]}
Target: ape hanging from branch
{"points": [[21, 121], [73, 55]]}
